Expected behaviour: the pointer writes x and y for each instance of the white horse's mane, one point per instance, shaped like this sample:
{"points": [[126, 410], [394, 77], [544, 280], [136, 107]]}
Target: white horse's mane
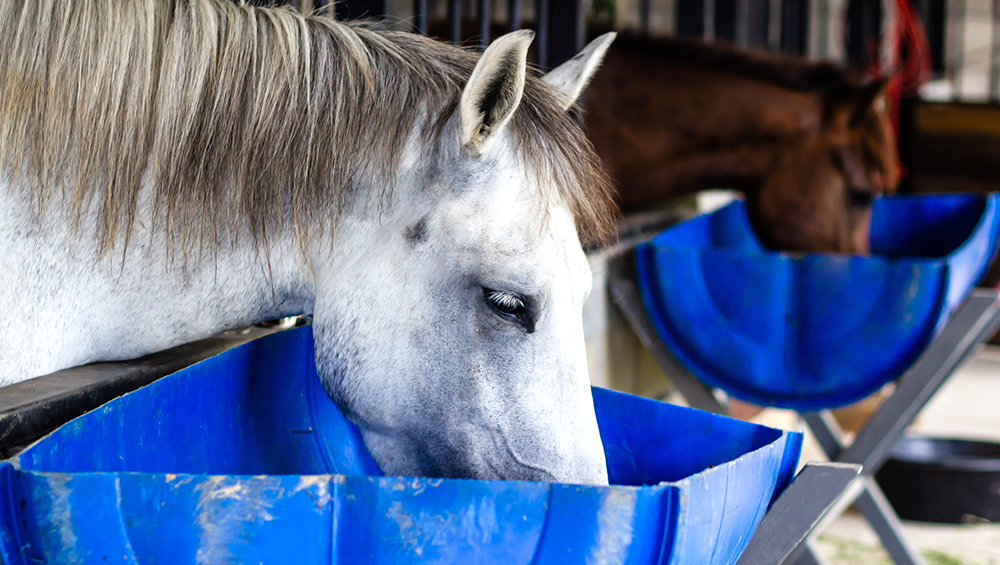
{"points": [[233, 113]]}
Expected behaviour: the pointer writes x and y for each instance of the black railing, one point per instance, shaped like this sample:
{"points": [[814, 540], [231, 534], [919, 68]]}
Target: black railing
{"points": [[788, 26], [559, 24]]}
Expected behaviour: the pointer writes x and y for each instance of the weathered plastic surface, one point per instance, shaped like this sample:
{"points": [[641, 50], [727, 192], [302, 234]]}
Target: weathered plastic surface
{"points": [[243, 458], [819, 330]]}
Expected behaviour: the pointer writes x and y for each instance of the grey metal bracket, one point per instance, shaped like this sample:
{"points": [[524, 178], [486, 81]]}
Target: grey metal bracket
{"points": [[784, 529], [974, 322]]}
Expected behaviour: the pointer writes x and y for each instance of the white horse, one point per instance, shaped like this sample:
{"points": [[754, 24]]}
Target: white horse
{"points": [[172, 169]]}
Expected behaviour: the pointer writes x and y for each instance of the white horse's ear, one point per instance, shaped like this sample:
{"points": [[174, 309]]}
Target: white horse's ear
{"points": [[494, 90], [572, 76]]}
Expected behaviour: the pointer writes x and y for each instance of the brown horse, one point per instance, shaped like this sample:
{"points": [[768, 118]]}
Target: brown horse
{"points": [[809, 144]]}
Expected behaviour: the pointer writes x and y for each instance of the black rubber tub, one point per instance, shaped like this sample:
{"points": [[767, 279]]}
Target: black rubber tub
{"points": [[947, 481]]}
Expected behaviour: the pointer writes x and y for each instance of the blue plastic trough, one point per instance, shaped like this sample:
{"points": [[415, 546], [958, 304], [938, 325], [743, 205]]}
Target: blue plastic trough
{"points": [[814, 331], [244, 459]]}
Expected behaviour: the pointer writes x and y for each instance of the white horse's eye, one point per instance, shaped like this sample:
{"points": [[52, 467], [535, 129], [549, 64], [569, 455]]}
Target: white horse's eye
{"points": [[505, 302]]}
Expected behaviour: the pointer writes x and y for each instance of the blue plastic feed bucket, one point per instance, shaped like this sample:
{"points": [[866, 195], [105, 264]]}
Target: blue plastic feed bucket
{"points": [[243, 458], [820, 330]]}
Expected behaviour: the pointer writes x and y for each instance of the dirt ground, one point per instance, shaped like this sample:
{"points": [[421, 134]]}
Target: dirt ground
{"points": [[849, 541]]}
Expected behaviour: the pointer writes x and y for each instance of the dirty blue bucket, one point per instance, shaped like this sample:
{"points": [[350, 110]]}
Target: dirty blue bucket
{"points": [[243, 458], [814, 331]]}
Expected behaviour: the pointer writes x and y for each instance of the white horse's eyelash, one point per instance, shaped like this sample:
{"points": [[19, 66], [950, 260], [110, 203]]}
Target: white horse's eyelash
{"points": [[506, 300]]}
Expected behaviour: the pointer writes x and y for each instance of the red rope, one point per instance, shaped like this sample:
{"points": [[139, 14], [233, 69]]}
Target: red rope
{"points": [[909, 58], [908, 65]]}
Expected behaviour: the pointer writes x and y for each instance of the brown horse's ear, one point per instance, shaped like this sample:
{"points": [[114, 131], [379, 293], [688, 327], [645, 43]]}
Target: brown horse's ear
{"points": [[861, 101]]}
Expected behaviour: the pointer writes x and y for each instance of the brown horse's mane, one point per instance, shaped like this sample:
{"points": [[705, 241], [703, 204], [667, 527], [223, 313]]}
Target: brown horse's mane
{"points": [[240, 117], [794, 73], [835, 83]]}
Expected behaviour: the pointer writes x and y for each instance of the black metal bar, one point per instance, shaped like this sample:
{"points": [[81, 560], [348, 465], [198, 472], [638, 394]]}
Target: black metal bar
{"points": [[864, 25], [542, 32], [757, 26], [357, 9], [485, 13], [566, 31], [420, 15], [794, 26], [455, 20], [514, 14], [934, 16], [645, 9], [691, 18], [725, 20]]}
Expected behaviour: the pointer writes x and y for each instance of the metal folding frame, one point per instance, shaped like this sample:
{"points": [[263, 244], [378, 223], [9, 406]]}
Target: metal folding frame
{"points": [[974, 322], [784, 531]]}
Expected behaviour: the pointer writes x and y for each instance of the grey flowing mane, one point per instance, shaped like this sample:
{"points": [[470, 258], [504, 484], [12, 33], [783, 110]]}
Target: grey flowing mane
{"points": [[233, 113]]}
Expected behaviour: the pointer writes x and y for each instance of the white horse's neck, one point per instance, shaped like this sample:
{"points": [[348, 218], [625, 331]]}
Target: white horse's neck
{"points": [[71, 307]]}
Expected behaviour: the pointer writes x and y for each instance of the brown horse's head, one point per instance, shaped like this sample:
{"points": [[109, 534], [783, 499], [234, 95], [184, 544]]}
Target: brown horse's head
{"points": [[807, 142], [818, 197]]}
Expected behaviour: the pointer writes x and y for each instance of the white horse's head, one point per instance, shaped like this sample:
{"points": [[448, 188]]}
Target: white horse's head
{"points": [[448, 323]]}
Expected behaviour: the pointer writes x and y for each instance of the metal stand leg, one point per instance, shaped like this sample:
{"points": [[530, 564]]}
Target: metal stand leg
{"points": [[880, 514], [806, 500]]}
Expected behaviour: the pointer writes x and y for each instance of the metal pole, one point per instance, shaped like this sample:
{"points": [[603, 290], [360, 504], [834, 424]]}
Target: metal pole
{"points": [[725, 20], [757, 24], [542, 33], [455, 20], [356, 9], [420, 15], [566, 32], [864, 26], [514, 11], [794, 26], [485, 11], [691, 18], [934, 15]]}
